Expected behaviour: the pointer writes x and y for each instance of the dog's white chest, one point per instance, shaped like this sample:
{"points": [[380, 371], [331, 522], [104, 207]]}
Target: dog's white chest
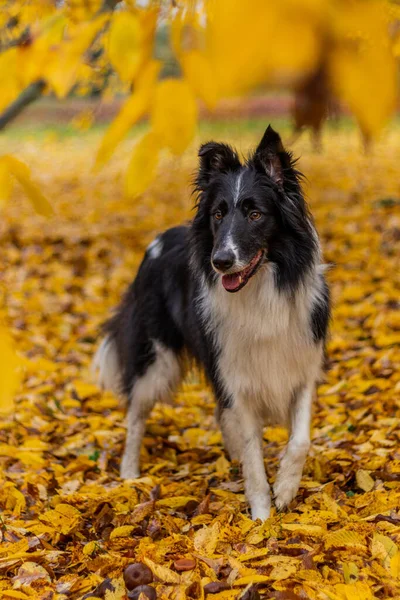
{"points": [[265, 350]]}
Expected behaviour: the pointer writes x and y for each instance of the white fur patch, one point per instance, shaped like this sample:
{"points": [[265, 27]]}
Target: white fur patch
{"points": [[238, 186], [159, 380], [105, 366], [265, 342], [231, 246], [155, 248]]}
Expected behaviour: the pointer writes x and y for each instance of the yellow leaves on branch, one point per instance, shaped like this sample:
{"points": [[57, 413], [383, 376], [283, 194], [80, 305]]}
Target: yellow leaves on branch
{"points": [[174, 114], [198, 73], [9, 83], [124, 46], [278, 42], [35, 59], [142, 166], [134, 108], [362, 66], [63, 67], [173, 118], [130, 41]]}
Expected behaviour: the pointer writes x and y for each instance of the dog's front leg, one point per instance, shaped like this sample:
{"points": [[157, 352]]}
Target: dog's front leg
{"points": [[291, 468], [255, 479]]}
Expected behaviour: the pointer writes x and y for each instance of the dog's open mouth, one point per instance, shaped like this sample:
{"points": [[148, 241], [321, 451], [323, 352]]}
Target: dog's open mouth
{"points": [[235, 281]]}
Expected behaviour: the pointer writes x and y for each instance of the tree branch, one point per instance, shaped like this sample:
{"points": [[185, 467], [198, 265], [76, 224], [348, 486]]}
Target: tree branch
{"points": [[29, 95], [22, 40], [35, 89]]}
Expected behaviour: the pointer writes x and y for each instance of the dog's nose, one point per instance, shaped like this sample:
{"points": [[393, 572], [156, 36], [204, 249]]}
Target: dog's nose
{"points": [[223, 260]]}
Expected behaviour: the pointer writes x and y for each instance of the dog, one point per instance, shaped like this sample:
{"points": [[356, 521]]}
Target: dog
{"points": [[241, 290]]}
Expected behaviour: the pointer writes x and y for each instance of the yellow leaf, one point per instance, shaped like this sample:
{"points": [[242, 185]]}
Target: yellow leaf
{"points": [[142, 166], [174, 114], [252, 579], [9, 82], [174, 501], [383, 547], [354, 591], [121, 532], [164, 574], [350, 572], [282, 571], [364, 480], [84, 390], [148, 22], [290, 45], [344, 538], [14, 594], [13, 500], [305, 528], [62, 69], [395, 565], [9, 376], [206, 539], [133, 109], [33, 59], [200, 77], [222, 466], [125, 45], [186, 33], [22, 173], [5, 183], [64, 518], [17, 549], [89, 548], [28, 573]]}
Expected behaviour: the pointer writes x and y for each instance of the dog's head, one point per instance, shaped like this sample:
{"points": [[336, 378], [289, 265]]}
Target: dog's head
{"points": [[251, 213]]}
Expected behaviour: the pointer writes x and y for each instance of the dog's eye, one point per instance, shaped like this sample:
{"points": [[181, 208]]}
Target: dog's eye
{"points": [[254, 215], [218, 215]]}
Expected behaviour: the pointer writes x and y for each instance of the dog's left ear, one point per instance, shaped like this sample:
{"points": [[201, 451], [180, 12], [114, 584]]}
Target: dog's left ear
{"points": [[271, 156], [215, 158]]}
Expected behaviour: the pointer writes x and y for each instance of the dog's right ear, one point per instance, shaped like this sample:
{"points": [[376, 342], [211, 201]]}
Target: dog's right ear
{"points": [[215, 158]]}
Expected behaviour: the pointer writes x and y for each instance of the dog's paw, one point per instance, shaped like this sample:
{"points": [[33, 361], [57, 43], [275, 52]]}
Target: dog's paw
{"points": [[285, 489], [262, 513], [261, 510]]}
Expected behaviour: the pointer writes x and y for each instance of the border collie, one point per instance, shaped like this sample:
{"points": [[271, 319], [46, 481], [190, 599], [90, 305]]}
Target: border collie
{"points": [[242, 291]]}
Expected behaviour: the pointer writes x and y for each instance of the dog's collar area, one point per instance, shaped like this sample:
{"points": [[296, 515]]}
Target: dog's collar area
{"points": [[236, 281]]}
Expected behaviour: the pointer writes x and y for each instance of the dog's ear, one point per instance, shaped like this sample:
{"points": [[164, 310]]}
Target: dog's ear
{"points": [[215, 158], [271, 156]]}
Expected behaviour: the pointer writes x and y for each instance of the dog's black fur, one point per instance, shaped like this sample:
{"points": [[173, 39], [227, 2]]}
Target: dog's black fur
{"points": [[251, 219]]}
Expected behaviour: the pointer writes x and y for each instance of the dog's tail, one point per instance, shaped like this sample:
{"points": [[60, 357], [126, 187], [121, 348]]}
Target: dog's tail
{"points": [[106, 367]]}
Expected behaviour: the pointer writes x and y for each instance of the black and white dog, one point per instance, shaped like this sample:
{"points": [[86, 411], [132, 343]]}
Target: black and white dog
{"points": [[242, 290]]}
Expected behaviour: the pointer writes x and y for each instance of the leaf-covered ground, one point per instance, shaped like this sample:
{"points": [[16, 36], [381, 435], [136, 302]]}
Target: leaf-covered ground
{"points": [[68, 521]]}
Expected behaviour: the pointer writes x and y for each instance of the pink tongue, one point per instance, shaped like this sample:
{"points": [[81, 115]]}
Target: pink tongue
{"points": [[231, 282]]}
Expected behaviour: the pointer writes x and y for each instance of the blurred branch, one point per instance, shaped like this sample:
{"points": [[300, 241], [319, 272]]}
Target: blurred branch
{"points": [[29, 95], [108, 6], [35, 89], [22, 40]]}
